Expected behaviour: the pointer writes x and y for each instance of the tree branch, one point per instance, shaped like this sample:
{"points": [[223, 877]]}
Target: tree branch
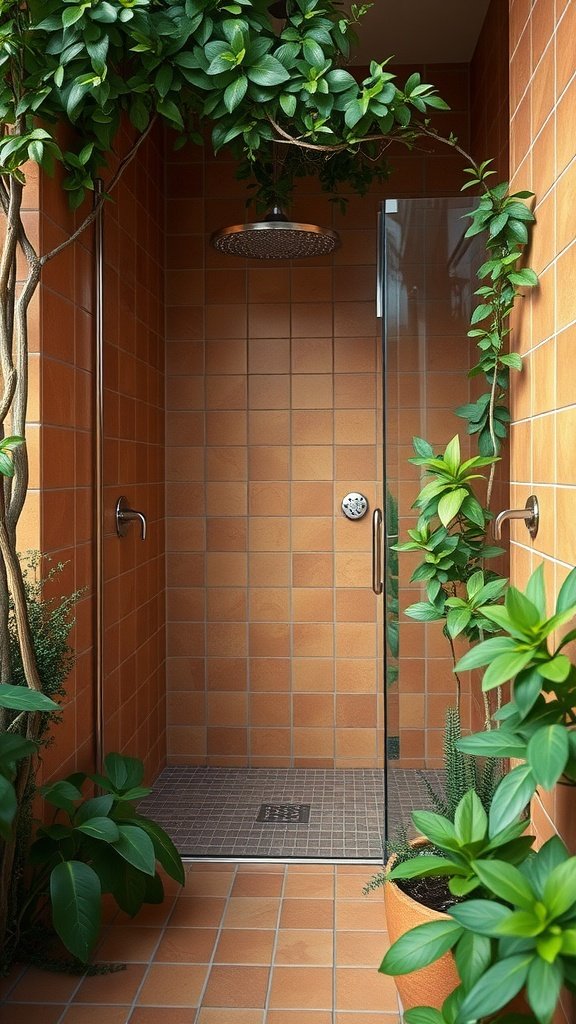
{"points": [[100, 202]]}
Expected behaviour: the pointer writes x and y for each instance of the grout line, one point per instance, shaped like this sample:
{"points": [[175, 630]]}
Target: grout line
{"points": [[275, 945], [211, 962]]}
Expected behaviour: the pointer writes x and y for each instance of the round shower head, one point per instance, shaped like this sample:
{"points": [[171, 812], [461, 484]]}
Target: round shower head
{"points": [[275, 238]]}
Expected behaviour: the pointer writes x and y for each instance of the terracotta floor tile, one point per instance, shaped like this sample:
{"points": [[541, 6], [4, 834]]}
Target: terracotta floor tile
{"points": [[305, 947], [273, 869], [263, 883], [44, 987], [245, 946], [197, 912], [314, 869], [310, 886], [32, 1013], [362, 988], [103, 1014], [236, 986], [367, 1018], [10, 980], [355, 869], [133, 944], [207, 883], [111, 988], [359, 915], [251, 912], [229, 1015], [300, 913], [173, 985], [349, 887], [211, 865], [152, 915], [360, 949], [164, 1015], [297, 987], [299, 1017], [186, 945]]}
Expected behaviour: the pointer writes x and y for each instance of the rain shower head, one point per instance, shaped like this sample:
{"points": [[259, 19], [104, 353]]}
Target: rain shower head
{"points": [[275, 238]]}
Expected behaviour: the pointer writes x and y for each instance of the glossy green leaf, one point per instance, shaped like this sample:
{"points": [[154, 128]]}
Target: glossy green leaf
{"points": [[425, 867], [559, 893], [496, 743], [123, 772], [423, 1015], [481, 916], [20, 698], [135, 846], [505, 667], [75, 896], [100, 828], [438, 829], [420, 946], [495, 988], [567, 593], [543, 988], [97, 807], [470, 819], [547, 753], [164, 848], [473, 954], [450, 505], [511, 797]]}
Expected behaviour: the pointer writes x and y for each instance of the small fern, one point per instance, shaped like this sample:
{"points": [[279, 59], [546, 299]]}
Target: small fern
{"points": [[462, 772]]}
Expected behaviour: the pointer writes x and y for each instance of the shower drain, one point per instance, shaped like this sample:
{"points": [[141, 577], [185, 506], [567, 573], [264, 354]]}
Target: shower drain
{"points": [[287, 814]]}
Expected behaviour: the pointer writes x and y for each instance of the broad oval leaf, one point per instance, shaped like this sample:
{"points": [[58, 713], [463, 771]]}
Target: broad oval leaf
{"points": [[420, 946], [547, 754], [450, 505], [495, 988], [496, 743], [136, 847], [100, 828], [470, 819], [76, 911], [423, 1015], [438, 829], [560, 888], [473, 954], [480, 916], [511, 797], [506, 882], [425, 867], [20, 698], [123, 772], [8, 807], [543, 988], [164, 848]]}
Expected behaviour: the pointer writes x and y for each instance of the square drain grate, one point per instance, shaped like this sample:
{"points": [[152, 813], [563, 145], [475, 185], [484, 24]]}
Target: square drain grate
{"points": [[284, 814]]}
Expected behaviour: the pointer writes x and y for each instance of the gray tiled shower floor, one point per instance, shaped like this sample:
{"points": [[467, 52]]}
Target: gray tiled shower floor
{"points": [[211, 812]]}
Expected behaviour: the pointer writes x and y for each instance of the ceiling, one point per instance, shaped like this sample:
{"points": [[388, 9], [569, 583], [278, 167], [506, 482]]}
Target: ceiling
{"points": [[420, 31]]}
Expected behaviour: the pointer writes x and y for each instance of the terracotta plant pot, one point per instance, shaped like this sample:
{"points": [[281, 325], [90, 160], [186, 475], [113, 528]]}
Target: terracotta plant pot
{"points": [[431, 985]]}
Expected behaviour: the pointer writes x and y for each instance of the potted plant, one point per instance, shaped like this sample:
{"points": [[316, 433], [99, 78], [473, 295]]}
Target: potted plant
{"points": [[517, 931]]}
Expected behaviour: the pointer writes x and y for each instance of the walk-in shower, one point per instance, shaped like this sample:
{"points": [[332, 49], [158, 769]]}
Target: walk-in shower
{"points": [[305, 689]]}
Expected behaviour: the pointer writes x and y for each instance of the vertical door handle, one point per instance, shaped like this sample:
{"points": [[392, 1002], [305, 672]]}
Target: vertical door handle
{"points": [[377, 551]]}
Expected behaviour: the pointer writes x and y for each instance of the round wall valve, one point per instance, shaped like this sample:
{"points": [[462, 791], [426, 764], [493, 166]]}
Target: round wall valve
{"points": [[354, 505]]}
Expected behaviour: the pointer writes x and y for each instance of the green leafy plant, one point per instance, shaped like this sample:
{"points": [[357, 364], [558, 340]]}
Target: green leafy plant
{"points": [[15, 747], [520, 934], [96, 845]]}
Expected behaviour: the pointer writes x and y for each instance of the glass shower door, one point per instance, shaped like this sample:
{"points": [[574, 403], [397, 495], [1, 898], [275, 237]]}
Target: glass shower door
{"points": [[426, 286]]}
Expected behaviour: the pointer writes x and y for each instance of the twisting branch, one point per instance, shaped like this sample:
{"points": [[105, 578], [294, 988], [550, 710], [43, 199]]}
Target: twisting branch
{"points": [[91, 217]]}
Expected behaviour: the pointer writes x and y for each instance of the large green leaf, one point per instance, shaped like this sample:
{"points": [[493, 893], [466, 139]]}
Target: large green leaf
{"points": [[12, 749], [123, 772], [473, 954], [8, 807], [484, 653], [268, 71], [470, 819], [100, 828], [97, 807], [547, 754], [423, 1015], [495, 988], [76, 911], [436, 828], [136, 847], [62, 794], [129, 889], [567, 594], [424, 867], [511, 797], [420, 946], [543, 988], [20, 698], [450, 505], [506, 882], [480, 916], [560, 889], [496, 743], [164, 849], [505, 667]]}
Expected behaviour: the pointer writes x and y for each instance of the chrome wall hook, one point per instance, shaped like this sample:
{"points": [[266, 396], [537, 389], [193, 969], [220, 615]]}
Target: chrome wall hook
{"points": [[530, 514]]}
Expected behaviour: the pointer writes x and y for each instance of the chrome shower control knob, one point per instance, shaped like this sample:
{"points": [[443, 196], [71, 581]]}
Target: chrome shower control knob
{"points": [[354, 505]]}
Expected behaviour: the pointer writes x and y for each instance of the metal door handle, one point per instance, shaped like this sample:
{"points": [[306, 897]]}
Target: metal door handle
{"points": [[377, 585], [125, 515]]}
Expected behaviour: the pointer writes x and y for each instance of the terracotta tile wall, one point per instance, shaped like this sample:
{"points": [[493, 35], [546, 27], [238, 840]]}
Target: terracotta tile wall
{"points": [[134, 571], [543, 123], [272, 402], [65, 469], [59, 518]]}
